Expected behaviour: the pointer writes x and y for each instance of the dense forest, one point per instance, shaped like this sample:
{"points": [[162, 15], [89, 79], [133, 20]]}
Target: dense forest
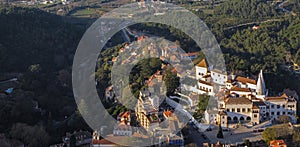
{"points": [[32, 36], [247, 9], [40, 46]]}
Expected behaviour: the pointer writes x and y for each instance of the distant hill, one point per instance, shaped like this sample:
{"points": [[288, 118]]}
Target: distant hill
{"points": [[31, 36]]}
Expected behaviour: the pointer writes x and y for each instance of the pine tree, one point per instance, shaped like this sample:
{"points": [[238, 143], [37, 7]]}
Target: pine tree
{"points": [[220, 132]]}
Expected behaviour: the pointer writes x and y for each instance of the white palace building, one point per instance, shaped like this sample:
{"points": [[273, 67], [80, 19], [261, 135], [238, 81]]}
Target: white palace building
{"points": [[241, 99]]}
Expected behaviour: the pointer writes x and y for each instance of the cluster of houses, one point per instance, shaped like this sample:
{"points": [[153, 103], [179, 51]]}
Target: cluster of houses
{"points": [[241, 99]]}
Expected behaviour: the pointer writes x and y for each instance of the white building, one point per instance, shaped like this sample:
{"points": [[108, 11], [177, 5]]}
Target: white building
{"points": [[201, 69], [244, 100], [122, 130], [246, 82], [218, 76], [282, 105], [205, 87]]}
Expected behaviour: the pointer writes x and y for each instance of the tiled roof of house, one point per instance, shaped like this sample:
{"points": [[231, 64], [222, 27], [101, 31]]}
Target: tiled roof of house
{"points": [[168, 113], [277, 143], [278, 98], [222, 113], [191, 54], [255, 107], [237, 101], [240, 89], [202, 63], [206, 76], [204, 82], [245, 80]]}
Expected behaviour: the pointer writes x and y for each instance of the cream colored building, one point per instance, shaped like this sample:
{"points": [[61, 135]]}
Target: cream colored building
{"points": [[146, 114], [241, 110]]}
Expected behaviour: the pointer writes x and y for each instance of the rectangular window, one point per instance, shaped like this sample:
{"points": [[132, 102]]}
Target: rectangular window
{"points": [[278, 113], [272, 106], [278, 106], [255, 115], [283, 113], [248, 110], [272, 113], [232, 110], [238, 110], [243, 109], [227, 110]]}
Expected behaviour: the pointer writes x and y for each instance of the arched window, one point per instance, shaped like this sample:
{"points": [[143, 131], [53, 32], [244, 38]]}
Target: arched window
{"points": [[235, 119], [242, 118], [249, 118]]}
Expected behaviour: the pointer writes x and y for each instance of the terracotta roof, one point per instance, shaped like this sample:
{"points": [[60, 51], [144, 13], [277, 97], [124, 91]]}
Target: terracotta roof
{"points": [[202, 63], [222, 113], [206, 76], [255, 107], [141, 37], [229, 81], [236, 101], [168, 113], [191, 54], [245, 80], [240, 89], [277, 142], [284, 95], [204, 82], [126, 114], [279, 98]]}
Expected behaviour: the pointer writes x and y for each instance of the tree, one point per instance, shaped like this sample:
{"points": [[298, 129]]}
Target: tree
{"points": [[220, 132], [171, 81], [284, 119], [269, 134], [30, 135], [72, 141], [247, 142], [296, 137]]}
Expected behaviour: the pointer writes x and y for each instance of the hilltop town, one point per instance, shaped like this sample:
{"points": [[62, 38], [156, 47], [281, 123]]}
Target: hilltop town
{"points": [[244, 108]]}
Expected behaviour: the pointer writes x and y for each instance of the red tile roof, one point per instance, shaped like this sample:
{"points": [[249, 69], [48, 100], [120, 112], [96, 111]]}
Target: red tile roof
{"points": [[204, 82], [168, 113], [240, 89], [191, 54], [245, 80], [202, 63], [276, 143]]}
